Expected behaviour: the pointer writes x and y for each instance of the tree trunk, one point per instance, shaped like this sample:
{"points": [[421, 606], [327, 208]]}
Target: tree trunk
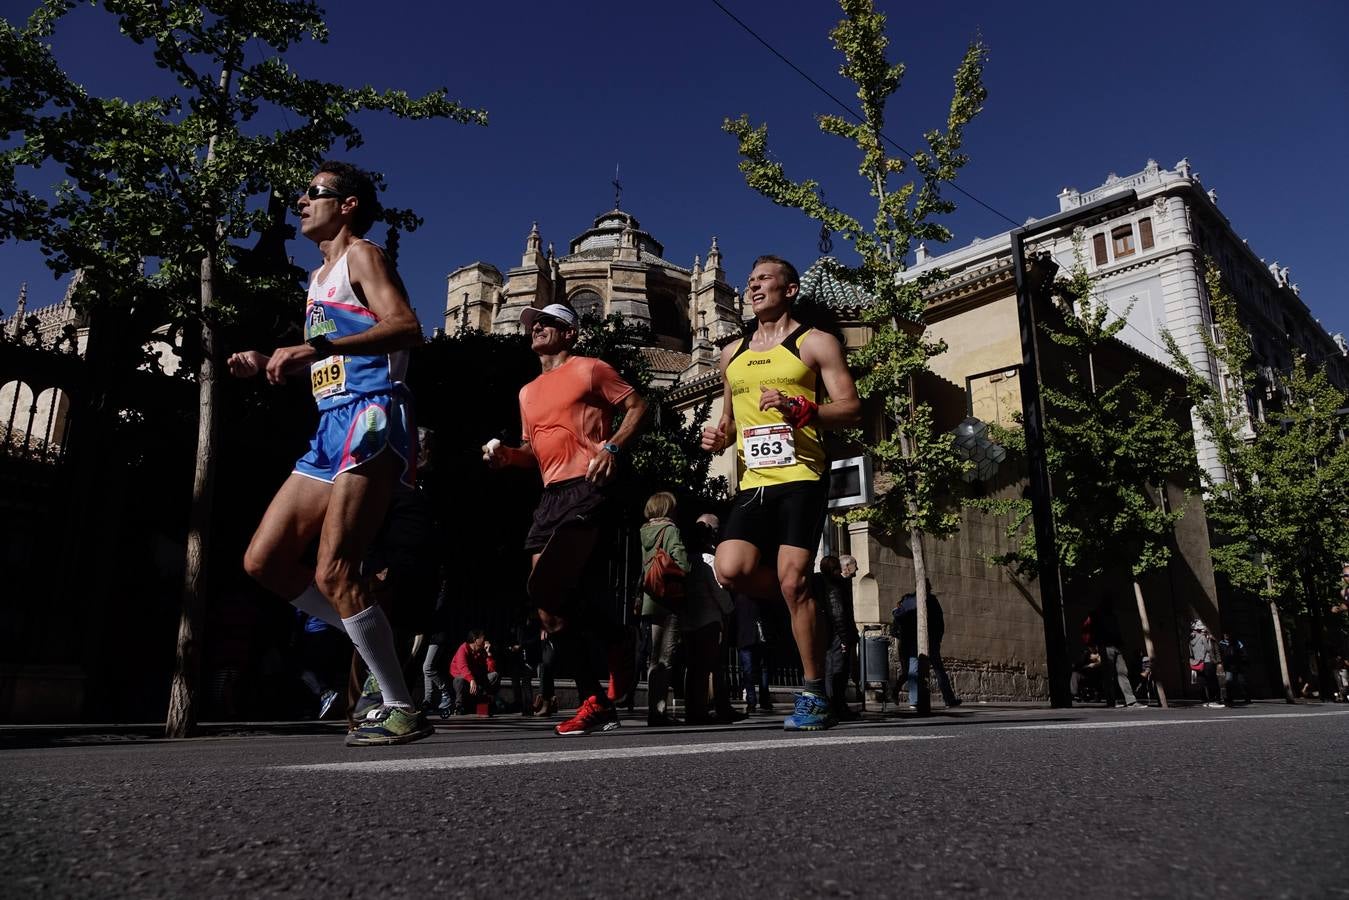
{"points": [[924, 705], [182, 715], [1148, 644], [1283, 653], [182, 718]]}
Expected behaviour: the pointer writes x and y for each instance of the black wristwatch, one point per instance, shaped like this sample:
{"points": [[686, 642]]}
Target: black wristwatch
{"points": [[322, 346]]}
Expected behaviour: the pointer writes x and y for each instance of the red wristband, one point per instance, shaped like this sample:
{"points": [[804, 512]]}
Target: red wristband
{"points": [[801, 412]]}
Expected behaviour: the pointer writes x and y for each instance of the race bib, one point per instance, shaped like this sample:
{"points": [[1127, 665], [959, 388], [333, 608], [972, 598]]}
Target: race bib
{"points": [[328, 377], [769, 446]]}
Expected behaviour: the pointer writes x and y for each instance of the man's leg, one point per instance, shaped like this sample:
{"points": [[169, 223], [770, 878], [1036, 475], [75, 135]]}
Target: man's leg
{"points": [[461, 694], [794, 565], [434, 690], [948, 695], [836, 674], [274, 557], [356, 509], [1109, 660], [1122, 678], [739, 566], [913, 681], [748, 677]]}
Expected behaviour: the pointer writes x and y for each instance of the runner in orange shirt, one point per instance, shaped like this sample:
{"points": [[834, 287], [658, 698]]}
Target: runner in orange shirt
{"points": [[566, 415]]}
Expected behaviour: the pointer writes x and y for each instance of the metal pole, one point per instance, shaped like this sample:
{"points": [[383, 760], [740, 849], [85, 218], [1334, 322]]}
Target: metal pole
{"points": [[1046, 547]]}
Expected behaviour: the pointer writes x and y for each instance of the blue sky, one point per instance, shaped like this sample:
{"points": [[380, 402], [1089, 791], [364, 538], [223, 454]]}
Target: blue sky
{"points": [[1256, 95]]}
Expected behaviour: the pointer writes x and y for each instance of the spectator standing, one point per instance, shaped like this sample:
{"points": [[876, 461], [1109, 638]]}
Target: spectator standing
{"points": [[835, 590], [661, 533], [702, 629], [1101, 629], [752, 645], [436, 692], [1204, 660], [1233, 654], [474, 671], [905, 626]]}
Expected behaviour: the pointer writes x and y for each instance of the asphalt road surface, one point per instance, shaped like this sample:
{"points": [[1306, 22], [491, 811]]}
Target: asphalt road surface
{"points": [[978, 802]]}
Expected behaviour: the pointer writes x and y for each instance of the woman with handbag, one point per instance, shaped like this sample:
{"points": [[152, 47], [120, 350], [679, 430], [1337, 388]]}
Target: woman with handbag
{"points": [[664, 564]]}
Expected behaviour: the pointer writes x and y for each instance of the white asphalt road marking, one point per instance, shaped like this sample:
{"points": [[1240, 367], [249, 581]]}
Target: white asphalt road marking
{"points": [[1146, 723], [378, 766], [556, 756]]}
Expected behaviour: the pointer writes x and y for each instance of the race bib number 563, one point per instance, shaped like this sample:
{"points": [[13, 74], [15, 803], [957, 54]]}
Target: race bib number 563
{"points": [[328, 377], [769, 446]]}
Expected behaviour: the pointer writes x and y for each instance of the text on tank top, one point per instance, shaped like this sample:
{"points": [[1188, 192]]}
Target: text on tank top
{"points": [[770, 451], [333, 310]]}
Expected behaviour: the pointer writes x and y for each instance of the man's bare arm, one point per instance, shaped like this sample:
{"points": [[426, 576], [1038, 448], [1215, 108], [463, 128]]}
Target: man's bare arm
{"points": [[844, 409], [717, 438]]}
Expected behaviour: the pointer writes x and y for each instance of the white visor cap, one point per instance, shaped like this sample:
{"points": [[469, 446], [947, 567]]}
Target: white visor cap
{"points": [[555, 310]]}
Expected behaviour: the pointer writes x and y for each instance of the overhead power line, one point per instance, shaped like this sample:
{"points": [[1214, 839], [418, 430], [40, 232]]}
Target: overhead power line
{"points": [[848, 109]]}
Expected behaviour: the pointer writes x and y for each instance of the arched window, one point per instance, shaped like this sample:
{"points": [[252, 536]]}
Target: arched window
{"points": [[587, 303]]}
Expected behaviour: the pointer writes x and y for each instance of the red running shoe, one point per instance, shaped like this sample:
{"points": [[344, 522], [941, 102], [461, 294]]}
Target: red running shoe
{"points": [[593, 716]]}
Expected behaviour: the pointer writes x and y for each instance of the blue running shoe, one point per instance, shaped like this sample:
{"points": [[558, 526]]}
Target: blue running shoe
{"points": [[811, 714]]}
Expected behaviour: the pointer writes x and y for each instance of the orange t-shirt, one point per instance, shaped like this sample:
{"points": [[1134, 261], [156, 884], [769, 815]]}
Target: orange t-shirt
{"points": [[567, 415]]}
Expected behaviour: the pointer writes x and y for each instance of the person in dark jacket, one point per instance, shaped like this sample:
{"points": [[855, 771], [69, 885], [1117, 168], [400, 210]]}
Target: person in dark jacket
{"points": [[1233, 654], [905, 627], [841, 651], [752, 644]]}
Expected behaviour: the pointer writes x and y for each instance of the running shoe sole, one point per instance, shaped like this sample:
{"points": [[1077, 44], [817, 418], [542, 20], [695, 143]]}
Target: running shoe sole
{"points": [[786, 726], [602, 727], [356, 740]]}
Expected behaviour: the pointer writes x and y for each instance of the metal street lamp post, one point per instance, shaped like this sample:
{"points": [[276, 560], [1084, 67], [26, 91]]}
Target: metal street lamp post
{"points": [[1032, 409]]}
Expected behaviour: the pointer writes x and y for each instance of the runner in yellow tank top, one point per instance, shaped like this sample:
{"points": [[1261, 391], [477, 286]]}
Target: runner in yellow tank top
{"points": [[772, 410]]}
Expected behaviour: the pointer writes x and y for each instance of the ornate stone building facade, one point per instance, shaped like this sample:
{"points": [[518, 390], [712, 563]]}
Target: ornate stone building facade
{"points": [[1149, 260]]}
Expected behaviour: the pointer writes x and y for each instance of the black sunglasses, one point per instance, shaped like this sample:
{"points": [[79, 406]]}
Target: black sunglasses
{"points": [[550, 322], [318, 192]]}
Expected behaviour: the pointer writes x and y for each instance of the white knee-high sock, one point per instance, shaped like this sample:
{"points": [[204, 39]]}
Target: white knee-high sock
{"points": [[312, 602], [372, 636]]}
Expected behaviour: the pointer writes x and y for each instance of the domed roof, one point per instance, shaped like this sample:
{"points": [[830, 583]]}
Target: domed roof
{"points": [[603, 238]]}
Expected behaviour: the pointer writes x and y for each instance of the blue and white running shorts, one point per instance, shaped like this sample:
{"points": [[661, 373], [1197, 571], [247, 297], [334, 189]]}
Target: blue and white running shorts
{"points": [[356, 432]]}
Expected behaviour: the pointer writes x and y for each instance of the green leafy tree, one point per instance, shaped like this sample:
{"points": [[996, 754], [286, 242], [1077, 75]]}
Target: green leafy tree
{"points": [[159, 192], [915, 465], [667, 454], [1282, 505], [1112, 446]]}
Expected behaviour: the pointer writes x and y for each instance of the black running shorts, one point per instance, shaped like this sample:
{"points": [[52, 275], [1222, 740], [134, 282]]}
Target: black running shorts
{"points": [[573, 500], [779, 515]]}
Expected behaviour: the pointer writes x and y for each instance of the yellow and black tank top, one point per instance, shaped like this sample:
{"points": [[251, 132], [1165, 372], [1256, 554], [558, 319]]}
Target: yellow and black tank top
{"points": [[770, 451]]}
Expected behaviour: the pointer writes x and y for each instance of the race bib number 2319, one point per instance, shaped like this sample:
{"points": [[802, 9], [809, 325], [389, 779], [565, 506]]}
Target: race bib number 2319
{"points": [[328, 377]]}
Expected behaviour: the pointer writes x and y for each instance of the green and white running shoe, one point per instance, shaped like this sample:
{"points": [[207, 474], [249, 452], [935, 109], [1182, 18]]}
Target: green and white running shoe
{"points": [[394, 725]]}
